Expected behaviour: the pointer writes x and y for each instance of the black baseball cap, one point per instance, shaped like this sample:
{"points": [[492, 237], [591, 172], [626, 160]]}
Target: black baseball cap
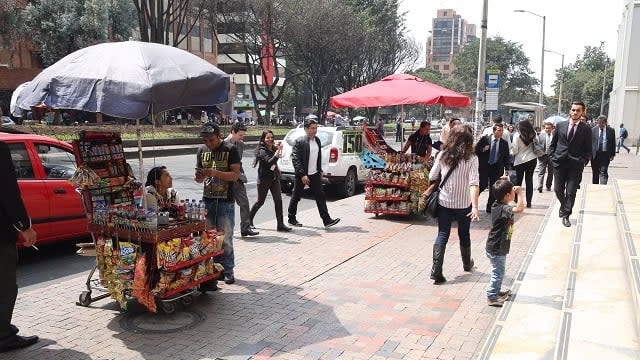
{"points": [[209, 128]]}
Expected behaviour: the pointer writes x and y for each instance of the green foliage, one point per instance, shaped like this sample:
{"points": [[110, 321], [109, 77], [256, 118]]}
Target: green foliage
{"points": [[516, 82], [583, 80], [60, 27]]}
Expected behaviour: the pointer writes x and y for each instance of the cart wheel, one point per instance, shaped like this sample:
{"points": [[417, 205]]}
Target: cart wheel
{"points": [[187, 300], [376, 214], [85, 298], [168, 307]]}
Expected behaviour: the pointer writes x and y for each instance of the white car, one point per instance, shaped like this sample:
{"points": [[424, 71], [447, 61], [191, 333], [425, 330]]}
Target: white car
{"points": [[341, 148]]}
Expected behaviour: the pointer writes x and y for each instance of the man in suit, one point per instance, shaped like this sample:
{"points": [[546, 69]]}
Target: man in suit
{"points": [[306, 157], [569, 152], [14, 221], [544, 163], [493, 159], [603, 139]]}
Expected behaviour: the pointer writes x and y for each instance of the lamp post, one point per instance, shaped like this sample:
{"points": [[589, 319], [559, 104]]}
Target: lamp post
{"points": [[544, 24], [561, 80], [482, 65]]}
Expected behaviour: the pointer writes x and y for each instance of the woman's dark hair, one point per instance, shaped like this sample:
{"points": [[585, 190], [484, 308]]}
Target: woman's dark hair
{"points": [[459, 146], [154, 174], [527, 132], [261, 143]]}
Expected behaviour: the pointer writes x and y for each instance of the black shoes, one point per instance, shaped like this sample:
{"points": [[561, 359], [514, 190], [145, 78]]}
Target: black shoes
{"points": [[548, 188], [529, 204], [283, 228], [17, 342], [566, 222], [249, 233], [540, 189], [331, 222], [294, 222], [229, 279]]}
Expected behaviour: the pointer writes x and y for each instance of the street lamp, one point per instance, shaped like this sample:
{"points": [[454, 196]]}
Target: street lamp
{"points": [[561, 80], [544, 24]]}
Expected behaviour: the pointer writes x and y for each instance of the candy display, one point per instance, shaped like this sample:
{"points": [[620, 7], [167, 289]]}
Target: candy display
{"points": [[154, 257]]}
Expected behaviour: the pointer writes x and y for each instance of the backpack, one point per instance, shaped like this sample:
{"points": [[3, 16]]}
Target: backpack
{"points": [[623, 133]]}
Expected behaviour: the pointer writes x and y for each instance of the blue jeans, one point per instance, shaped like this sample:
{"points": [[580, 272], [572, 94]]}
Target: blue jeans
{"points": [[445, 217], [497, 274], [221, 216], [621, 144]]}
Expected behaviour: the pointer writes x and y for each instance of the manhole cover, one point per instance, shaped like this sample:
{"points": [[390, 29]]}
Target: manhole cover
{"points": [[162, 323]]}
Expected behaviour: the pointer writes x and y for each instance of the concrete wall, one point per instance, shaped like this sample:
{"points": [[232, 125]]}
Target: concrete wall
{"points": [[625, 96]]}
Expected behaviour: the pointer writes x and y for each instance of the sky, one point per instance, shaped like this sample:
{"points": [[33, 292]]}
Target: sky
{"points": [[570, 26]]}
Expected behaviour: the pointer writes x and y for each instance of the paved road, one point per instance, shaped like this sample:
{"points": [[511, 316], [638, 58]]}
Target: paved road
{"points": [[58, 262]]}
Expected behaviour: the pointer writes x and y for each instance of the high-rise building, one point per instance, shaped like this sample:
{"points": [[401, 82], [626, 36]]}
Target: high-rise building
{"points": [[449, 35]]}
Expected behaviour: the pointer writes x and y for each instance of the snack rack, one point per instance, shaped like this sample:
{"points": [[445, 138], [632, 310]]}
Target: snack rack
{"points": [[396, 181], [135, 256]]}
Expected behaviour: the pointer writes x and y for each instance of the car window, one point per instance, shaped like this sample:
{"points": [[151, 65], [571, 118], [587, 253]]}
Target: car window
{"points": [[325, 136], [21, 161], [58, 163]]}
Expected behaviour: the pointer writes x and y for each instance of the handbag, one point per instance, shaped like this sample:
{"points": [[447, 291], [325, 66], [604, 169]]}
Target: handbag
{"points": [[538, 148], [431, 202]]}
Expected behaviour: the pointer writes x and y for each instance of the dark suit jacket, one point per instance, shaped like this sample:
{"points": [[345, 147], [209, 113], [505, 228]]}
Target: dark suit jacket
{"points": [[13, 216], [611, 141], [574, 153], [542, 138], [300, 156], [483, 156]]}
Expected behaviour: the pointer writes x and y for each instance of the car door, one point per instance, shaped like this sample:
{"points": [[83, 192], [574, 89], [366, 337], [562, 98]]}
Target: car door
{"points": [[32, 187], [66, 214]]}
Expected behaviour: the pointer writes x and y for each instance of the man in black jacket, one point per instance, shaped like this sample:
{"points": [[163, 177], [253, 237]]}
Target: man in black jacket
{"points": [[569, 152], [13, 221], [493, 160], [307, 164], [603, 150]]}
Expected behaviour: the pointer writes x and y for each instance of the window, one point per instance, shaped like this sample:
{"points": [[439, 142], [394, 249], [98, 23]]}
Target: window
{"points": [[445, 67], [436, 67], [58, 163], [21, 161]]}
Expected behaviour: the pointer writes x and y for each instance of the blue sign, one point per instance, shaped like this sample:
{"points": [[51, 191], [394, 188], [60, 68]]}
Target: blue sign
{"points": [[493, 81]]}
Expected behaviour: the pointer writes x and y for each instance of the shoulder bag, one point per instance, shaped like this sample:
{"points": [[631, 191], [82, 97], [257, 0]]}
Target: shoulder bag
{"points": [[538, 148], [431, 202]]}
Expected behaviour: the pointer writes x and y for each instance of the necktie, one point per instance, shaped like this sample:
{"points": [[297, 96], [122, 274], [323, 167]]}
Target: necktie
{"points": [[493, 154], [573, 128], [601, 141]]}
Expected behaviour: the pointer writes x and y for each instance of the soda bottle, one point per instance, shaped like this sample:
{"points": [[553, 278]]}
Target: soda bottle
{"points": [[181, 210]]}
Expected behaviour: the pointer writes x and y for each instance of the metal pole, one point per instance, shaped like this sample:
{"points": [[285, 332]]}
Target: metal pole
{"points": [[482, 63], [604, 77], [561, 85], [541, 96]]}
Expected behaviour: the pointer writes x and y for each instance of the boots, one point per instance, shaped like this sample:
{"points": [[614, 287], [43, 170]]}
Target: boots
{"points": [[467, 261], [438, 259], [281, 226]]}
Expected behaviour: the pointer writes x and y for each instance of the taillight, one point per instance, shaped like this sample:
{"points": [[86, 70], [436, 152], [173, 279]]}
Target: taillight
{"points": [[333, 155]]}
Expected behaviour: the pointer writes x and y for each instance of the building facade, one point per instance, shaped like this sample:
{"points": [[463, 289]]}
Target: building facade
{"points": [[625, 96], [450, 33]]}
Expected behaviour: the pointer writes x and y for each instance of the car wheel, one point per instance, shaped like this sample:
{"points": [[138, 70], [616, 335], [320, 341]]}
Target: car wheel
{"points": [[350, 183], [286, 187]]}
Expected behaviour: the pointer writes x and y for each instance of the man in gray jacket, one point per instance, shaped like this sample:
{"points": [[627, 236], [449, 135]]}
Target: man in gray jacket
{"points": [[544, 165]]}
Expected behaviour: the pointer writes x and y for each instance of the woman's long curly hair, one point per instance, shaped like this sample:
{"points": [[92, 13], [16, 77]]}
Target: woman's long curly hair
{"points": [[261, 143], [527, 132], [459, 146]]}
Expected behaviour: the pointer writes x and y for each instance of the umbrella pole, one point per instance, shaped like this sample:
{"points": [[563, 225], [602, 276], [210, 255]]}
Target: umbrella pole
{"points": [[139, 136]]}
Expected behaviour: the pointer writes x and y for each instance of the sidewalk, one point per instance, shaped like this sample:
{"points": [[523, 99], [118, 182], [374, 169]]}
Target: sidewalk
{"points": [[360, 290]]}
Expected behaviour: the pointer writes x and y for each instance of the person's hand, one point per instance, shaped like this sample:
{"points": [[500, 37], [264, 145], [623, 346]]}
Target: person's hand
{"points": [[485, 148], [518, 190], [505, 175], [306, 180], [474, 214], [29, 237]]}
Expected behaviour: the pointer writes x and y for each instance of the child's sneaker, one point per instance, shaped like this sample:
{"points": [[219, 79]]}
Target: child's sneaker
{"points": [[506, 293]]}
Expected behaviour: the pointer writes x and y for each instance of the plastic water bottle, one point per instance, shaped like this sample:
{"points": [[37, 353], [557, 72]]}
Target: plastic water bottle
{"points": [[202, 211], [194, 210]]}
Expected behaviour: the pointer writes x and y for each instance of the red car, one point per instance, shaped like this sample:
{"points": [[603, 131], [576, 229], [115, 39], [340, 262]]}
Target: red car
{"points": [[44, 166]]}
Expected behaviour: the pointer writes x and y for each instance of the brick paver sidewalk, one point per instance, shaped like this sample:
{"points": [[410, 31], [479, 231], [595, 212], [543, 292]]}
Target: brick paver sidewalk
{"points": [[358, 291]]}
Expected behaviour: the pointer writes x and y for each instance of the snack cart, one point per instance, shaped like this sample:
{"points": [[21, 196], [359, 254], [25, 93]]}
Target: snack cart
{"points": [[158, 258]]}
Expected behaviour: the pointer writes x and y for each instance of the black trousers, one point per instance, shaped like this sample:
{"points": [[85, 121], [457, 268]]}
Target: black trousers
{"points": [[318, 194], [264, 187], [492, 175], [525, 171], [600, 168], [566, 181], [8, 287]]}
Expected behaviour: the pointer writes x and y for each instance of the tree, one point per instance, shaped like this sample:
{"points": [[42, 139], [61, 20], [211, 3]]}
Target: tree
{"points": [[167, 22], [583, 80], [516, 82], [60, 27]]}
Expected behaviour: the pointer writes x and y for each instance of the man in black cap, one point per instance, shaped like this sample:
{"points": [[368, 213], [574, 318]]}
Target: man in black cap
{"points": [[13, 221], [218, 166]]}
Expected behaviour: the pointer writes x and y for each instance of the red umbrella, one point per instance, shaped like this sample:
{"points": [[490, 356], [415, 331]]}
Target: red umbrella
{"points": [[399, 89]]}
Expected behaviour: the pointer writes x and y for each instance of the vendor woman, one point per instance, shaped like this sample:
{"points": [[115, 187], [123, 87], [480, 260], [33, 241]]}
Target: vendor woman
{"points": [[159, 193], [420, 141]]}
